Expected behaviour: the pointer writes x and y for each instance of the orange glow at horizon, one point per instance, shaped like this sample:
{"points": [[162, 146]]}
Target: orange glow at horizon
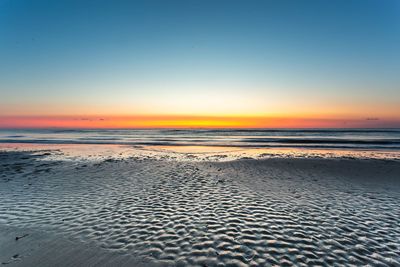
{"points": [[181, 121]]}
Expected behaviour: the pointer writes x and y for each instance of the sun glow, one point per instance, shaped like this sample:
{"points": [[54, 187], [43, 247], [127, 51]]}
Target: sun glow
{"points": [[181, 121]]}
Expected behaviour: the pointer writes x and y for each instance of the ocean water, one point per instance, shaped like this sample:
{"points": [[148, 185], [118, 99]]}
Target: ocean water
{"points": [[353, 139]]}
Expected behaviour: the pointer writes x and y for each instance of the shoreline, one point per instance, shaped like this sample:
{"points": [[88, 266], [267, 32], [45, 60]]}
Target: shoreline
{"points": [[192, 153]]}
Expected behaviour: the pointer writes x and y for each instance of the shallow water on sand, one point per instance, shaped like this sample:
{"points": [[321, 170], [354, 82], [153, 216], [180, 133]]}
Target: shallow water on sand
{"points": [[99, 152], [286, 212]]}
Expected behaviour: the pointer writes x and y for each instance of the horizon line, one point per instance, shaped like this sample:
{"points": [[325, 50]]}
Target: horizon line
{"points": [[193, 122]]}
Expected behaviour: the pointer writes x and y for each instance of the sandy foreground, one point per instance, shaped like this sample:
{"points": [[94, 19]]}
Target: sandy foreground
{"points": [[154, 212]]}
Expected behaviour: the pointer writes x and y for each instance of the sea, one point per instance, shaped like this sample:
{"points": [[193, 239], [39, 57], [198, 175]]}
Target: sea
{"points": [[258, 138]]}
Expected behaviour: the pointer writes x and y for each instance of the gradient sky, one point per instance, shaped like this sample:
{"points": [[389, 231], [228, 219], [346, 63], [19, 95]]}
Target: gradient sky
{"points": [[322, 63]]}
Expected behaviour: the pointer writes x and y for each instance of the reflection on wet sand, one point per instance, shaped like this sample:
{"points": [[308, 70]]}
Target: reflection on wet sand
{"points": [[194, 153]]}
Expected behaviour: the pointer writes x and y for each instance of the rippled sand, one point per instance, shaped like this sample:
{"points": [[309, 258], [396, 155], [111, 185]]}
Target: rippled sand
{"points": [[144, 212]]}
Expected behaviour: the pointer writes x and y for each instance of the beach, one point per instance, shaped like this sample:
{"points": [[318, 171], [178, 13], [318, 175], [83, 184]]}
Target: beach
{"points": [[160, 211]]}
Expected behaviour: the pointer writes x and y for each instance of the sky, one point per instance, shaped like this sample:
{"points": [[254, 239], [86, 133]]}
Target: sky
{"points": [[199, 63]]}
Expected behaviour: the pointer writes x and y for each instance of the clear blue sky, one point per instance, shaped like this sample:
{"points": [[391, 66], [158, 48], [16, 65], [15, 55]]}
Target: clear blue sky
{"points": [[200, 57]]}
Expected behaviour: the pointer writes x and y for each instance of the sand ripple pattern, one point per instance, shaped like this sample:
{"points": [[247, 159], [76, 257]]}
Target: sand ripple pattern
{"points": [[242, 213]]}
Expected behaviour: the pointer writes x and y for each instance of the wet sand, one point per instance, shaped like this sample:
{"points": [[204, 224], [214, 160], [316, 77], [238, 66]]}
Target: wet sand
{"points": [[158, 212]]}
